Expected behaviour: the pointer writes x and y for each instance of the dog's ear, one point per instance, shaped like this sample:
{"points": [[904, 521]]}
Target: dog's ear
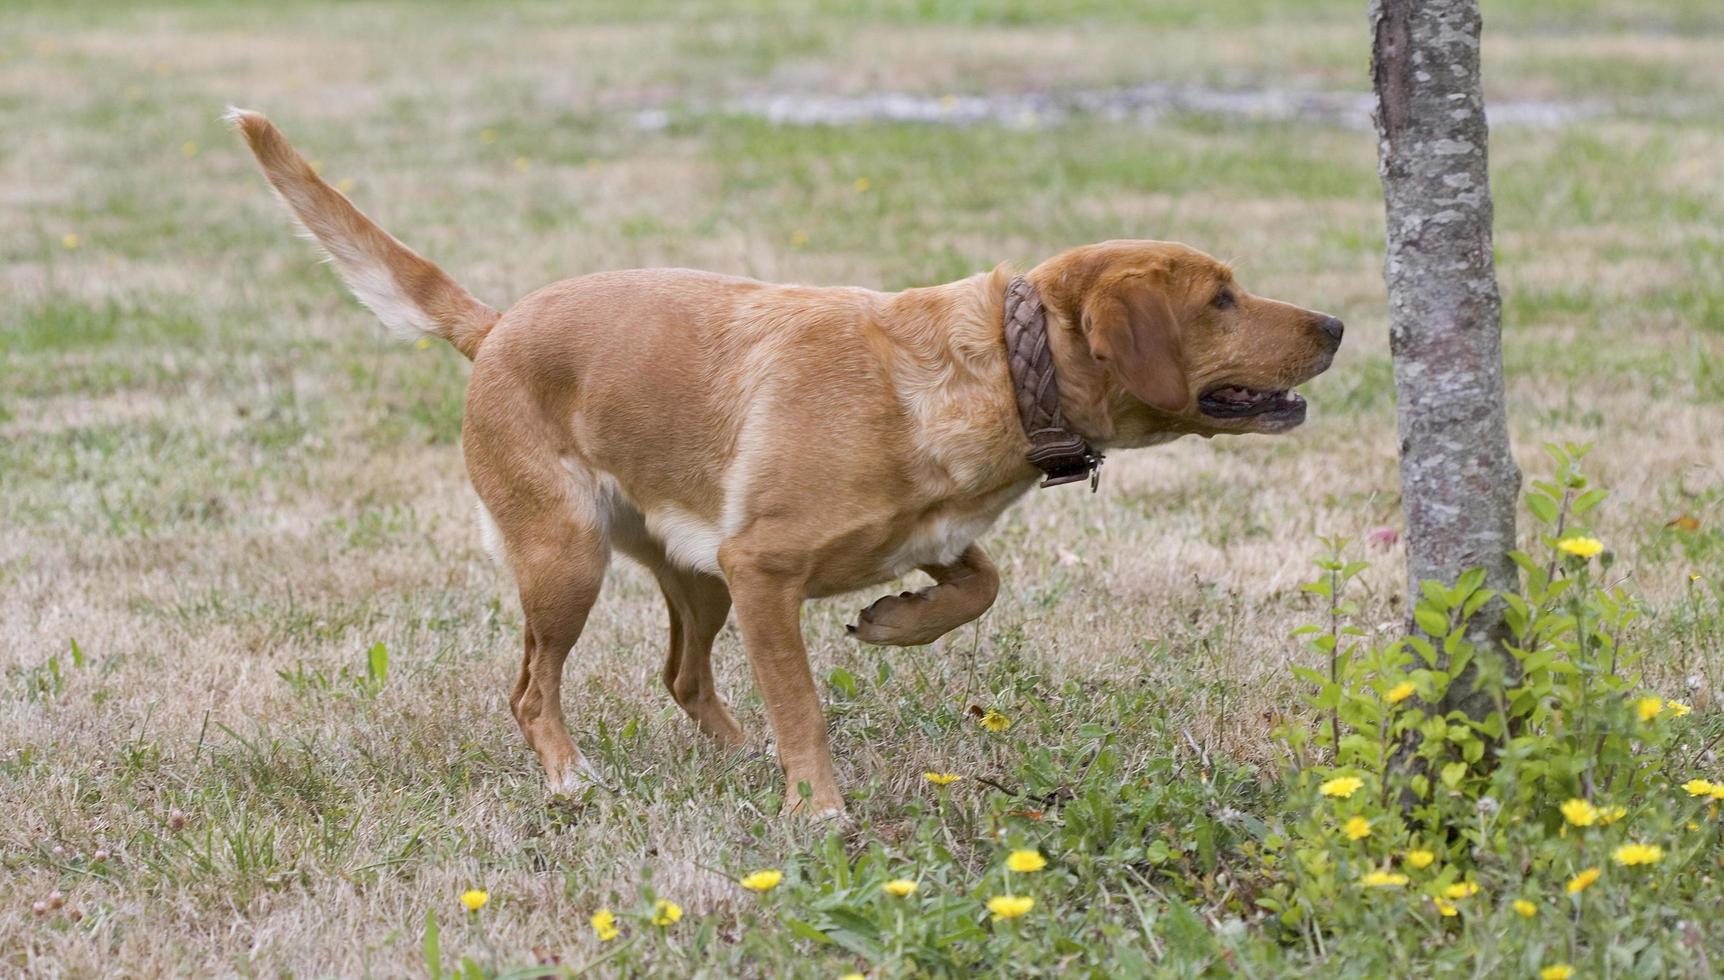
{"points": [[1132, 332]]}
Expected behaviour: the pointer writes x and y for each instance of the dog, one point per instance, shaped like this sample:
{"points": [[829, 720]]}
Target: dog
{"points": [[757, 445]]}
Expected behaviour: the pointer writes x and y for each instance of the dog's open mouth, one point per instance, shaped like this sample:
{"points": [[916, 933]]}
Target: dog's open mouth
{"points": [[1236, 402]]}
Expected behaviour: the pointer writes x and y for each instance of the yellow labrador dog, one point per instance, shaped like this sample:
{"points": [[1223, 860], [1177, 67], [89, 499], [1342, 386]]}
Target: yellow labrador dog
{"points": [[756, 445]]}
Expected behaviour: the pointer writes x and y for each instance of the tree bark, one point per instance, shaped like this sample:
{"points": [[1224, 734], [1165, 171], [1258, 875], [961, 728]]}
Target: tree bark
{"points": [[1459, 482]]}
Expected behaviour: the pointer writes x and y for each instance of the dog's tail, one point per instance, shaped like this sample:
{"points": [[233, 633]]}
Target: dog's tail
{"points": [[408, 292]]}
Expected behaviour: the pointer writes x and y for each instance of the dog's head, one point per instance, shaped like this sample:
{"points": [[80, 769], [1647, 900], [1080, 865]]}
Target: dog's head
{"points": [[1166, 338]]}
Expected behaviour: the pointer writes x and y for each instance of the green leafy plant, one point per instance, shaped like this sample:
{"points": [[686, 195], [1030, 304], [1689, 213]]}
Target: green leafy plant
{"points": [[1549, 818]]}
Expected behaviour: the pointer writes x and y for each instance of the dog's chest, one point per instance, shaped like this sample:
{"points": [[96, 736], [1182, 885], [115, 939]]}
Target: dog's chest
{"points": [[940, 537]]}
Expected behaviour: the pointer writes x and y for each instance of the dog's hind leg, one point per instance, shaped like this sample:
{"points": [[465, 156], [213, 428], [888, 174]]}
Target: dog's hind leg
{"points": [[961, 591], [558, 586], [699, 605]]}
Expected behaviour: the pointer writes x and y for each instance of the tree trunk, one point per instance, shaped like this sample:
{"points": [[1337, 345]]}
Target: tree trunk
{"points": [[1459, 482]]}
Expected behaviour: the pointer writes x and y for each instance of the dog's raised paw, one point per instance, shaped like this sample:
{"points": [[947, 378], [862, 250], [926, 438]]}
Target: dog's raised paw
{"points": [[897, 620]]}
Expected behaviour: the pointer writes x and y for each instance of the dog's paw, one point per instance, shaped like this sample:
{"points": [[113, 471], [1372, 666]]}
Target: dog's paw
{"points": [[900, 620]]}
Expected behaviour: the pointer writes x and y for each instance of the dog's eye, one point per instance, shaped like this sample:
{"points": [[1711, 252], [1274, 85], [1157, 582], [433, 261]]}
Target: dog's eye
{"points": [[1223, 300]]}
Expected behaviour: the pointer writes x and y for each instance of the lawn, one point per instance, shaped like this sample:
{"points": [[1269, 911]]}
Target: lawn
{"points": [[254, 663]]}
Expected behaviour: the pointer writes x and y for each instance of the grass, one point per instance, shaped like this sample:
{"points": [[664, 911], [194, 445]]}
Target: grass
{"points": [[222, 489]]}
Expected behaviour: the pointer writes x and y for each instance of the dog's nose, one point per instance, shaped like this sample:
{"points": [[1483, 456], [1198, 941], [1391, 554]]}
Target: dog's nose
{"points": [[1332, 326]]}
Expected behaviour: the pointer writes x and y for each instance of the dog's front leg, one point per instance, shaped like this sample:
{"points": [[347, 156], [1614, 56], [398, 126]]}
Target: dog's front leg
{"points": [[769, 612], [961, 591]]}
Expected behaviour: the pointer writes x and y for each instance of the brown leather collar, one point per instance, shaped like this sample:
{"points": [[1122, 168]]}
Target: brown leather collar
{"points": [[1061, 454]]}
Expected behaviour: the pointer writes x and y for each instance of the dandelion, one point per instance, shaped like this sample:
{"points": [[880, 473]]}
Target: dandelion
{"points": [[1698, 787], [1524, 908], [604, 925], [1611, 814], [1580, 547], [1677, 709], [862, 184], [1461, 889], [1629, 855], [475, 899], [1581, 882], [345, 185], [1556, 971], [900, 887], [1357, 828], [764, 880], [1383, 879], [1419, 860], [1026, 861], [1445, 909], [487, 136], [941, 778], [522, 165], [853, 976], [1341, 786], [424, 343], [993, 721], [1580, 813], [666, 913], [1400, 692], [69, 241], [1010, 906], [1648, 707]]}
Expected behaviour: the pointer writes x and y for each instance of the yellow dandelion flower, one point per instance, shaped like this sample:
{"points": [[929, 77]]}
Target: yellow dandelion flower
{"points": [[1383, 879], [487, 136], [1693, 826], [604, 925], [1716, 793], [1010, 906], [1026, 861], [1460, 890], [1400, 692], [764, 880], [1524, 908], [1556, 971], [1698, 787], [1357, 828], [522, 165], [941, 778], [993, 721], [900, 887], [1677, 709], [1581, 882], [1610, 814], [853, 976], [69, 241], [862, 184], [1445, 909], [1341, 786], [1648, 707], [1580, 547], [666, 913], [423, 343], [1629, 855], [345, 185], [1580, 813], [475, 899], [1418, 860]]}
